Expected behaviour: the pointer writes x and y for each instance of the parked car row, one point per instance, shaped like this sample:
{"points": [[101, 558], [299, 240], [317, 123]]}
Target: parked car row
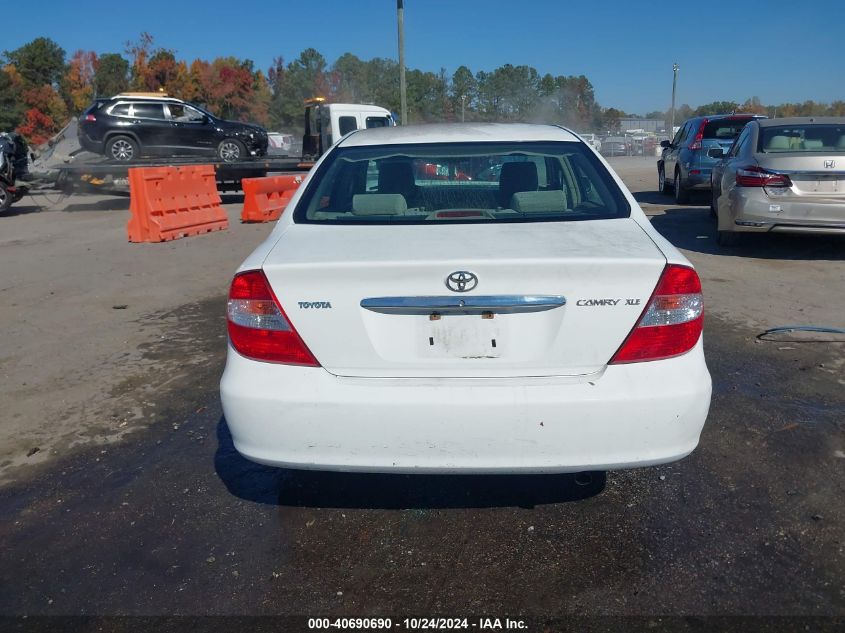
{"points": [[763, 175], [628, 145]]}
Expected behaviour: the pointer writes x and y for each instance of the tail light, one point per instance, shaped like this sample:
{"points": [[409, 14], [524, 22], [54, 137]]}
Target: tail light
{"points": [[259, 328], [754, 176], [699, 136], [89, 117], [672, 322]]}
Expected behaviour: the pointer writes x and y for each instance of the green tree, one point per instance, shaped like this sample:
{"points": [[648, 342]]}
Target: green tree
{"points": [[303, 78], [463, 92], [427, 93], [610, 119], [111, 76], [39, 62], [349, 79], [11, 103], [715, 107]]}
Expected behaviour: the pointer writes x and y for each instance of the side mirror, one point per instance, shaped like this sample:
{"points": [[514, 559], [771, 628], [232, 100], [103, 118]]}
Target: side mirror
{"points": [[205, 119], [665, 144], [716, 152]]}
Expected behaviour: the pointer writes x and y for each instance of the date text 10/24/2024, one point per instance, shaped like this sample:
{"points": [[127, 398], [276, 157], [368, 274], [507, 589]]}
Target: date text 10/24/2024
{"points": [[417, 624]]}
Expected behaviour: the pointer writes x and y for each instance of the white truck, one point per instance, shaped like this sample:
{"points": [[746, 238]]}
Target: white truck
{"points": [[326, 123]]}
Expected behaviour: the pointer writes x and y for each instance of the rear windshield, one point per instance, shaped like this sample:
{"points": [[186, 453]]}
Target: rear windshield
{"points": [[802, 138], [727, 129], [461, 182]]}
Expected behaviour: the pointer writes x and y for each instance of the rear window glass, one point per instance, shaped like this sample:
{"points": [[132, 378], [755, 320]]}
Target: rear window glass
{"points": [[347, 124], [461, 182], [122, 109], [724, 128], [802, 138], [377, 121]]}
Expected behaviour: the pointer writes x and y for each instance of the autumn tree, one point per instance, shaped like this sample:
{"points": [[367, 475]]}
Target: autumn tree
{"points": [[77, 86], [37, 69], [142, 77]]}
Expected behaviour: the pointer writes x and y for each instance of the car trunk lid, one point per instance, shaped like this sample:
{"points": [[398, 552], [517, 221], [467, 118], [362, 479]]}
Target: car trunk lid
{"points": [[550, 299], [820, 177]]}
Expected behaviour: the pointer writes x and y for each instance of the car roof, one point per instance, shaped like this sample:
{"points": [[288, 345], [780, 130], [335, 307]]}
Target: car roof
{"points": [[803, 120], [140, 98], [458, 133], [735, 115]]}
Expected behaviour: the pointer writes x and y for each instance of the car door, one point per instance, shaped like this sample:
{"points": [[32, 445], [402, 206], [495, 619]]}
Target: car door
{"points": [[670, 157], [192, 132], [737, 156], [149, 125]]}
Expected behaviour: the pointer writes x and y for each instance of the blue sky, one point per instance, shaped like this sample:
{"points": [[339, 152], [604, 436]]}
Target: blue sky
{"points": [[775, 50]]}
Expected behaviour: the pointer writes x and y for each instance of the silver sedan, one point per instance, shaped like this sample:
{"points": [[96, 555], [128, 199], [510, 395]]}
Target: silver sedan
{"points": [[781, 175]]}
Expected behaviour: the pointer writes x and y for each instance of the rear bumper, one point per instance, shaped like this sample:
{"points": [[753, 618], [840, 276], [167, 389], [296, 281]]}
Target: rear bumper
{"points": [[754, 211], [628, 416], [89, 144], [700, 180]]}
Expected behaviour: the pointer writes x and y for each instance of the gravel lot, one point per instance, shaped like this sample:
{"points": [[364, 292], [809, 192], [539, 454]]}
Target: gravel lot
{"points": [[135, 503]]}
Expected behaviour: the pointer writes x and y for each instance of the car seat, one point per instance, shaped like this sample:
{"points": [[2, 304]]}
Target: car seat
{"points": [[516, 177], [398, 177], [779, 143]]}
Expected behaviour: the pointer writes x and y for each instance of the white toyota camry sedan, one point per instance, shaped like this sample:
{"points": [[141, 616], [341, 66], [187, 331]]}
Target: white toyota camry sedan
{"points": [[478, 298]]}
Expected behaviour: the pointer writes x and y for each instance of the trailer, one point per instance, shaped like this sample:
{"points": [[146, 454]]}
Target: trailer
{"points": [[63, 165], [105, 175]]}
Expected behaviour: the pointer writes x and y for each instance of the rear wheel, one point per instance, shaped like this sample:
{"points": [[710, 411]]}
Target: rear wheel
{"points": [[662, 185], [231, 150], [681, 194], [5, 198], [123, 149]]}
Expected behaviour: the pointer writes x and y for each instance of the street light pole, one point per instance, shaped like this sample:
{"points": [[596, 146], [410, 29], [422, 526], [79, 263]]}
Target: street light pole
{"points": [[403, 103], [463, 103], [672, 115]]}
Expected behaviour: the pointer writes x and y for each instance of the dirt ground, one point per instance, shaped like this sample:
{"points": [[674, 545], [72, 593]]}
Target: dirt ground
{"points": [[136, 503], [79, 304]]}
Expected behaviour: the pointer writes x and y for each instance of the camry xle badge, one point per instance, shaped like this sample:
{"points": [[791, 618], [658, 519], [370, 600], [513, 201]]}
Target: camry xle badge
{"points": [[607, 302], [829, 164], [461, 281]]}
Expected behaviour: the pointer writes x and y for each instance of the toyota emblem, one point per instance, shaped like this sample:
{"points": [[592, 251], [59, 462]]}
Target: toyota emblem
{"points": [[461, 281]]}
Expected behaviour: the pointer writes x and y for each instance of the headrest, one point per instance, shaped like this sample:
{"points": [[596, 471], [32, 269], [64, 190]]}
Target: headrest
{"points": [[379, 204], [539, 201], [395, 177], [520, 175], [813, 143], [516, 177], [778, 142], [841, 142]]}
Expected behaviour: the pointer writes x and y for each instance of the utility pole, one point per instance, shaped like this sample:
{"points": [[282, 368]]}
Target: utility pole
{"points": [[463, 104], [403, 102], [672, 115]]}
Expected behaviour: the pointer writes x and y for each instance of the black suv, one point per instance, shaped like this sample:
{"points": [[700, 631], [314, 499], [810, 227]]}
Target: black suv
{"points": [[127, 126]]}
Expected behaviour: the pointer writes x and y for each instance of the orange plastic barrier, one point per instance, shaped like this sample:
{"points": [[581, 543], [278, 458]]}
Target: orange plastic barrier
{"points": [[266, 198], [172, 202]]}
